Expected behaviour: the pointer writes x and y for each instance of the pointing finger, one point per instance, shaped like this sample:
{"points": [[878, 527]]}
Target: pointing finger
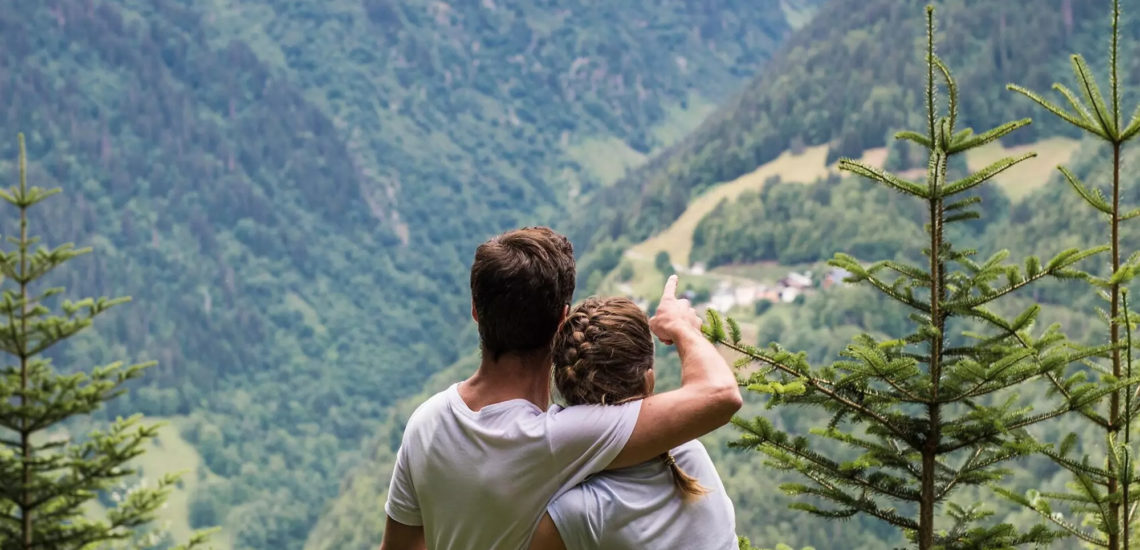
{"points": [[670, 291]]}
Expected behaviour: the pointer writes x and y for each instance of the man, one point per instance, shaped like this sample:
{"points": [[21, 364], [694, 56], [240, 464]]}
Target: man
{"points": [[480, 461]]}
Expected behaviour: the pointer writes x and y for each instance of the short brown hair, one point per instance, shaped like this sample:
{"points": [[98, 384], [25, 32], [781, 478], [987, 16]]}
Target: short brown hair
{"points": [[520, 283], [601, 355]]}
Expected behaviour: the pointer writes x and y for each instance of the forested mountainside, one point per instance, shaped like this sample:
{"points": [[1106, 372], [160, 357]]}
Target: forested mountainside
{"points": [[850, 79], [821, 326], [291, 192], [844, 74]]}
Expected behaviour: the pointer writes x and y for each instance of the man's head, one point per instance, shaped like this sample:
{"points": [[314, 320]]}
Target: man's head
{"points": [[521, 283]]}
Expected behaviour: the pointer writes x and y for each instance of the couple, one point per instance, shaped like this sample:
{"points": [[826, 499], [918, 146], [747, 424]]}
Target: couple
{"points": [[487, 464]]}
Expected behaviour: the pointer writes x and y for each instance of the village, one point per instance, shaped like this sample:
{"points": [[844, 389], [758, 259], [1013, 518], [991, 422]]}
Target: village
{"points": [[733, 291]]}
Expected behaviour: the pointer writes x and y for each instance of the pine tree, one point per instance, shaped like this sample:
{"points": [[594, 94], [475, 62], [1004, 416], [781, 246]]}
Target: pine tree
{"points": [[49, 478], [916, 417], [1103, 489]]}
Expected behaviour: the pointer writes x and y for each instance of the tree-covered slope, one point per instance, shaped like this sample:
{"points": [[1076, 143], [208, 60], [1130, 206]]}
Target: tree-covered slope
{"points": [[291, 192], [849, 79]]}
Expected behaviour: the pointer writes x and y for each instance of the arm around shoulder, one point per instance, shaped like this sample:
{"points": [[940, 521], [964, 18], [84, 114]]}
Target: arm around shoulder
{"points": [[708, 397]]}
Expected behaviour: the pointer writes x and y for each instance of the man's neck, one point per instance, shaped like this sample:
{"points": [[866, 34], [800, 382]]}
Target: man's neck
{"points": [[511, 376]]}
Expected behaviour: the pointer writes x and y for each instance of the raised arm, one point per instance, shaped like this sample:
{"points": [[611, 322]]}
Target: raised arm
{"points": [[707, 398]]}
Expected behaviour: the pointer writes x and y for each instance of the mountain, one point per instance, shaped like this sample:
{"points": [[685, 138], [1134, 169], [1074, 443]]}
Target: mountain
{"points": [[290, 192], [844, 82], [852, 77]]}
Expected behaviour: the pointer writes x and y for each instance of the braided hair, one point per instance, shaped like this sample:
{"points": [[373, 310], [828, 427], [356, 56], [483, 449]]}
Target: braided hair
{"points": [[602, 352]]}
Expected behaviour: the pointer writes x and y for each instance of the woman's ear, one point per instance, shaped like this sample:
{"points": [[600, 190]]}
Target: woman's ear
{"points": [[650, 381], [565, 313]]}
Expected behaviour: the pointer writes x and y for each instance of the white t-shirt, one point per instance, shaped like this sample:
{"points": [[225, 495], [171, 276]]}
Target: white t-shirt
{"points": [[638, 507], [482, 480]]}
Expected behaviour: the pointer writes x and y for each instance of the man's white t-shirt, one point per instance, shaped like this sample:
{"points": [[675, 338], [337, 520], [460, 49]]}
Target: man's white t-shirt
{"points": [[639, 507], [482, 480]]}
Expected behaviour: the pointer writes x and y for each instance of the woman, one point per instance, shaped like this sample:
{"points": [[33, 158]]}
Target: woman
{"points": [[603, 354]]}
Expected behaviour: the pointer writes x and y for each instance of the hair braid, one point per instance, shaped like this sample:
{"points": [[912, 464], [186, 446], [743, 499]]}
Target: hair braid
{"points": [[690, 488], [601, 354]]}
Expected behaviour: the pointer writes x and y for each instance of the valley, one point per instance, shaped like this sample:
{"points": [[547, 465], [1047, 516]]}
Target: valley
{"points": [[291, 193]]}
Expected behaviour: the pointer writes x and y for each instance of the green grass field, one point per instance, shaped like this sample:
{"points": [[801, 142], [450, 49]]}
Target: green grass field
{"points": [[677, 240], [806, 167], [809, 166], [1024, 178], [170, 453]]}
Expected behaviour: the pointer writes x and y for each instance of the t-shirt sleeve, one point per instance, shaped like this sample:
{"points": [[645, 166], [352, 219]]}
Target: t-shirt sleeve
{"points": [[576, 520], [402, 505], [584, 439]]}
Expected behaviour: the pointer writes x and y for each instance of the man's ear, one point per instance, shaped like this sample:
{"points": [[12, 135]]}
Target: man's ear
{"points": [[474, 314]]}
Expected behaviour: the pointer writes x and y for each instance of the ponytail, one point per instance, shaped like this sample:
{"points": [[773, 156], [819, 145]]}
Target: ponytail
{"points": [[688, 485]]}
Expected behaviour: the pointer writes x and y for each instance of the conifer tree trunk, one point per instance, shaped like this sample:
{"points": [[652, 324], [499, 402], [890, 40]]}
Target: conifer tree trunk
{"points": [[1115, 421], [25, 443]]}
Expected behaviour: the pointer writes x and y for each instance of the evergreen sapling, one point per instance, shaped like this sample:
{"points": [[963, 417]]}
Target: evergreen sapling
{"points": [[49, 477], [1102, 489], [918, 416]]}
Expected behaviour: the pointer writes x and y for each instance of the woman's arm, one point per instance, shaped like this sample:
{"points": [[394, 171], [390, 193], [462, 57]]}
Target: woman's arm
{"points": [[546, 537], [706, 400]]}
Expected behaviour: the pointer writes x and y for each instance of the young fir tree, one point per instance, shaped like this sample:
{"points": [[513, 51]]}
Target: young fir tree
{"points": [[47, 478], [1103, 488], [921, 415]]}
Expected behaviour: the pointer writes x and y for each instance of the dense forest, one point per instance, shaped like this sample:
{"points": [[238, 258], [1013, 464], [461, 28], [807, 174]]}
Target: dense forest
{"points": [[290, 192], [808, 222], [847, 80]]}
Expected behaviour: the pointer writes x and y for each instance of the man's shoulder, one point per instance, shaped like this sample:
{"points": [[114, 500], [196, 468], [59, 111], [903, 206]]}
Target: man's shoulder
{"points": [[432, 407]]}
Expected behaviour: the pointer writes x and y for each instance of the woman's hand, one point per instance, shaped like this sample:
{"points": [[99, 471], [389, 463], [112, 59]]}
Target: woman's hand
{"points": [[673, 317]]}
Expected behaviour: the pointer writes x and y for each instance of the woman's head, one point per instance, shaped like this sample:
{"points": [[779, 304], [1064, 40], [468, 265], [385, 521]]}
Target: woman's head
{"points": [[603, 353]]}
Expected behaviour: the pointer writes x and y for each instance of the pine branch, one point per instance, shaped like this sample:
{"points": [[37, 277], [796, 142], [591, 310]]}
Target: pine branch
{"points": [[966, 141], [1093, 196], [821, 386], [952, 90], [1094, 97], [890, 180], [863, 505], [1133, 126], [834, 471], [1046, 513], [1079, 107], [1113, 81], [977, 178], [1056, 110], [991, 433], [917, 138]]}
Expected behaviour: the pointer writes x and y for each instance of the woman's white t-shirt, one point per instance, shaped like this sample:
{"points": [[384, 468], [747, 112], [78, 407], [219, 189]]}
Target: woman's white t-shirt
{"points": [[639, 507]]}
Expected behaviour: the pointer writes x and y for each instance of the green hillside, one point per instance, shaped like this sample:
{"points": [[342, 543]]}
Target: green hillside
{"points": [[793, 113], [851, 77], [291, 192]]}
